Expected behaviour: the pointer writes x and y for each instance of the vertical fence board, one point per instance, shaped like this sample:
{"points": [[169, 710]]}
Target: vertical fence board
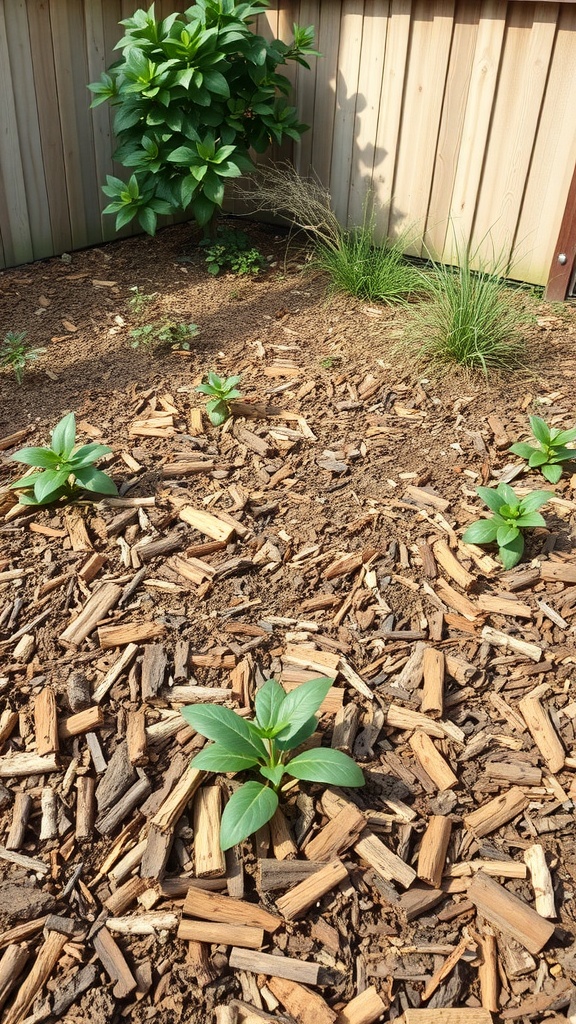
{"points": [[553, 160], [423, 97], [309, 14], [526, 54], [395, 62], [451, 126], [326, 72], [17, 239], [348, 102]]}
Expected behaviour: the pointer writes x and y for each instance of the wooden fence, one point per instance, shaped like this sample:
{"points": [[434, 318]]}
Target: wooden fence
{"points": [[458, 115]]}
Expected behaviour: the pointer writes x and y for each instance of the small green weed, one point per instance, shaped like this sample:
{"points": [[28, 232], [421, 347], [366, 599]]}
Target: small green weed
{"points": [[232, 250], [15, 351], [550, 450], [283, 721], [163, 334], [64, 472], [511, 516], [222, 391], [138, 301], [472, 318]]}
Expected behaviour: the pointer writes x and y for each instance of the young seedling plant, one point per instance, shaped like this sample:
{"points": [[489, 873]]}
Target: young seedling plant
{"points": [[63, 471], [15, 351], [511, 516], [550, 450], [222, 391], [266, 744]]}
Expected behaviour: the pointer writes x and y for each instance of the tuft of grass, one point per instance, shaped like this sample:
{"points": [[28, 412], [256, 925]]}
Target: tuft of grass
{"points": [[379, 273], [472, 318]]}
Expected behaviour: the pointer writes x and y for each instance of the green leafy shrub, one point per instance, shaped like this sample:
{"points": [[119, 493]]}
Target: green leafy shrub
{"points": [[194, 94], [283, 721], [512, 515], [232, 250], [163, 334], [550, 450], [63, 470], [16, 352], [472, 317], [221, 391]]}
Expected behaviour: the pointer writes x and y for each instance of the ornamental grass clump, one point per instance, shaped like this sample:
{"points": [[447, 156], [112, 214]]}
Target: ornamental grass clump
{"points": [[511, 516], [282, 723]]}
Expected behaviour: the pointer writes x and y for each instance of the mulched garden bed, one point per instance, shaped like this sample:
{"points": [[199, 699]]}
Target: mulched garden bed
{"points": [[316, 533]]}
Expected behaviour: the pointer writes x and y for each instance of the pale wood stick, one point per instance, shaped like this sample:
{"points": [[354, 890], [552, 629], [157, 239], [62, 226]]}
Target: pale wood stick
{"points": [[432, 761], [114, 964], [346, 726], [155, 857], [114, 672], [11, 966], [496, 812], [122, 898], [20, 814], [84, 721], [543, 732], [508, 913], [22, 931], [46, 722], [212, 906], [488, 974], [85, 806], [495, 868], [306, 1006], [452, 567], [535, 858], [244, 935], [403, 718], [49, 823], [433, 682], [302, 896], [129, 861], [433, 850], [46, 960], [448, 966], [17, 765], [282, 841], [387, 864], [144, 924], [365, 1008], [446, 1016], [499, 639], [95, 609], [168, 814], [136, 737], [277, 874], [340, 833], [129, 633], [209, 859], [275, 966], [207, 524], [8, 722]]}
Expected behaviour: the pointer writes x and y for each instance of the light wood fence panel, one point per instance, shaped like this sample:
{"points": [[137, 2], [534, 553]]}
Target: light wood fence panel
{"points": [[456, 116]]}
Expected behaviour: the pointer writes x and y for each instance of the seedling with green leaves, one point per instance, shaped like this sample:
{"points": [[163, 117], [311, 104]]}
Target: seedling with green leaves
{"points": [[63, 470], [139, 300], [512, 515], [232, 250], [550, 450], [222, 391], [283, 721], [163, 334], [15, 351]]}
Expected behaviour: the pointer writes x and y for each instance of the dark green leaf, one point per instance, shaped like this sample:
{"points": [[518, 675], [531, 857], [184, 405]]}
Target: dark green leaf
{"points": [[491, 497], [304, 733], [531, 519], [552, 473], [225, 727], [522, 449], [268, 703], [540, 429], [300, 704], [42, 457], [49, 482], [534, 501], [248, 809], [273, 774], [511, 554], [506, 534], [538, 458], [64, 435], [94, 480], [323, 764], [217, 758], [482, 532]]}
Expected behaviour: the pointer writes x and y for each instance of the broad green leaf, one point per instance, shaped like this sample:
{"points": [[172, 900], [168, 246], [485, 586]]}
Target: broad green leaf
{"points": [[534, 501], [509, 495], [41, 457], [248, 809], [273, 774], [213, 188], [299, 705], [148, 219], [537, 458], [218, 411], [540, 429], [511, 554], [304, 733], [88, 454], [482, 532], [522, 449], [565, 436], [531, 519], [216, 82], [552, 473], [267, 704], [26, 481], [562, 454], [203, 209], [124, 216], [64, 435], [322, 764], [95, 480], [491, 497], [182, 155], [217, 758], [50, 482], [506, 534], [225, 727]]}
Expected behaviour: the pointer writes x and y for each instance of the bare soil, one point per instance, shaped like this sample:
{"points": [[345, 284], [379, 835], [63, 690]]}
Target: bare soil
{"points": [[347, 478]]}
